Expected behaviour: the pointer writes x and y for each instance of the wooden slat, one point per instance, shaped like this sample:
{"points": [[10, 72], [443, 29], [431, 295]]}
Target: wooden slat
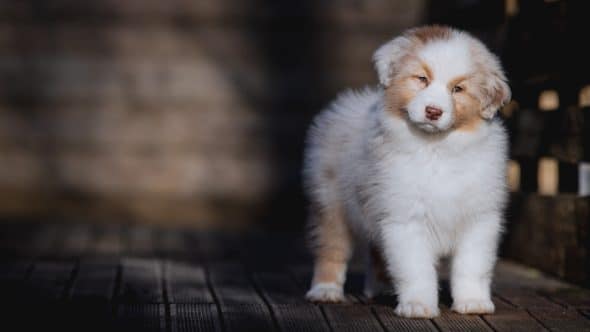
{"points": [[578, 256], [49, 280], [194, 317], [351, 318], [279, 288], [11, 271], [286, 299], [535, 238], [586, 134], [511, 275], [12, 279], [141, 241], [141, 317], [528, 125], [76, 240], [261, 301], [295, 242], [247, 317], [231, 286], [302, 274], [241, 307], [509, 318], [570, 297], [140, 281], [568, 177], [108, 240], [44, 241], [451, 321], [556, 319], [174, 244], [556, 134], [95, 281], [87, 316], [513, 320], [528, 173], [525, 298], [207, 248], [392, 322], [186, 283], [294, 317], [13, 238]]}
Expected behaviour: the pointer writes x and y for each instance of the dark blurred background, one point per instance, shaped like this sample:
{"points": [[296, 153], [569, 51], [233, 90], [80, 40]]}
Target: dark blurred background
{"points": [[193, 113], [175, 112]]}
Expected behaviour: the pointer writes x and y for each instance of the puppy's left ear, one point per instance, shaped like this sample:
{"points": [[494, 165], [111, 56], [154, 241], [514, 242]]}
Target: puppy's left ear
{"points": [[387, 58], [497, 94]]}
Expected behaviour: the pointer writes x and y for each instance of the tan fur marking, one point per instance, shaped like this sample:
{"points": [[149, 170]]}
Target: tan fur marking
{"points": [[467, 109], [326, 271], [496, 94], [427, 70], [332, 245], [499, 96], [397, 96], [456, 81], [434, 32]]}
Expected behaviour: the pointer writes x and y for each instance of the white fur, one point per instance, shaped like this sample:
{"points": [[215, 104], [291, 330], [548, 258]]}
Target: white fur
{"points": [[426, 193], [387, 55], [448, 60], [326, 292]]}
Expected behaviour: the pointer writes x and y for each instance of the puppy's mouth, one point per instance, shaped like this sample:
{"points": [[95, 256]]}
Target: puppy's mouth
{"points": [[428, 127], [425, 126]]}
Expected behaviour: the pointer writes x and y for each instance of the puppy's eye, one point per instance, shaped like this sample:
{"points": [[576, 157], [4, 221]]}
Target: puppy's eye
{"points": [[457, 89], [422, 79]]}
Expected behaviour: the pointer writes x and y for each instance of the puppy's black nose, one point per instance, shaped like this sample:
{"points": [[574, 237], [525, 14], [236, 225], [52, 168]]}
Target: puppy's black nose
{"points": [[433, 113]]}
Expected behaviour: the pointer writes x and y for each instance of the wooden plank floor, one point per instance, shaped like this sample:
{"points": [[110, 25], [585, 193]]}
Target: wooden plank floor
{"points": [[104, 278]]}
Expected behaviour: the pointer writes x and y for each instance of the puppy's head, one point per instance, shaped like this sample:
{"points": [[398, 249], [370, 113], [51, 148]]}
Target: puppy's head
{"points": [[441, 79]]}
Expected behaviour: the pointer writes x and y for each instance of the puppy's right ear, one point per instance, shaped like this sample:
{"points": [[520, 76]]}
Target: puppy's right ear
{"points": [[387, 57]]}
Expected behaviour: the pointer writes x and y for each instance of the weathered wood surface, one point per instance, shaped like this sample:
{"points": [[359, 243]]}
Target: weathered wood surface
{"points": [[551, 234], [172, 280]]}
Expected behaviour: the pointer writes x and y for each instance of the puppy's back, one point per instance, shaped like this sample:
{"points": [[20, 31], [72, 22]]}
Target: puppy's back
{"points": [[335, 136]]}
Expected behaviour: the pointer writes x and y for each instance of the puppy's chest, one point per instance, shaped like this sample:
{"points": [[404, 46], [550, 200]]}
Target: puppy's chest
{"points": [[435, 179]]}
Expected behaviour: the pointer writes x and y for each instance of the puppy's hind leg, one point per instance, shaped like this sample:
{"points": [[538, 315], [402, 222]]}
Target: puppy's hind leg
{"points": [[331, 244], [376, 279]]}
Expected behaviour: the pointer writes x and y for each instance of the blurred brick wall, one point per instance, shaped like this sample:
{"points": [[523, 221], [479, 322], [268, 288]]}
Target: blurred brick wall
{"points": [[179, 112]]}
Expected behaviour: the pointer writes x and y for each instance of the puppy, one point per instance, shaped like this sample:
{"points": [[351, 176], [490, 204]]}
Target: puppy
{"points": [[416, 169]]}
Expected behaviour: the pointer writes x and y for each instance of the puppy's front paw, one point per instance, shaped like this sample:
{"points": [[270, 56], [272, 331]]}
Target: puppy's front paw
{"points": [[415, 309], [474, 306], [325, 293]]}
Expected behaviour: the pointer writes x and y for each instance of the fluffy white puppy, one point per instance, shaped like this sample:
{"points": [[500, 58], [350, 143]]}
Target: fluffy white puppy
{"points": [[416, 169]]}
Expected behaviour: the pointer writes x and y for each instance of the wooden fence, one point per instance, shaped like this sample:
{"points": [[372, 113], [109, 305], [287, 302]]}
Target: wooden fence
{"points": [[549, 175]]}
